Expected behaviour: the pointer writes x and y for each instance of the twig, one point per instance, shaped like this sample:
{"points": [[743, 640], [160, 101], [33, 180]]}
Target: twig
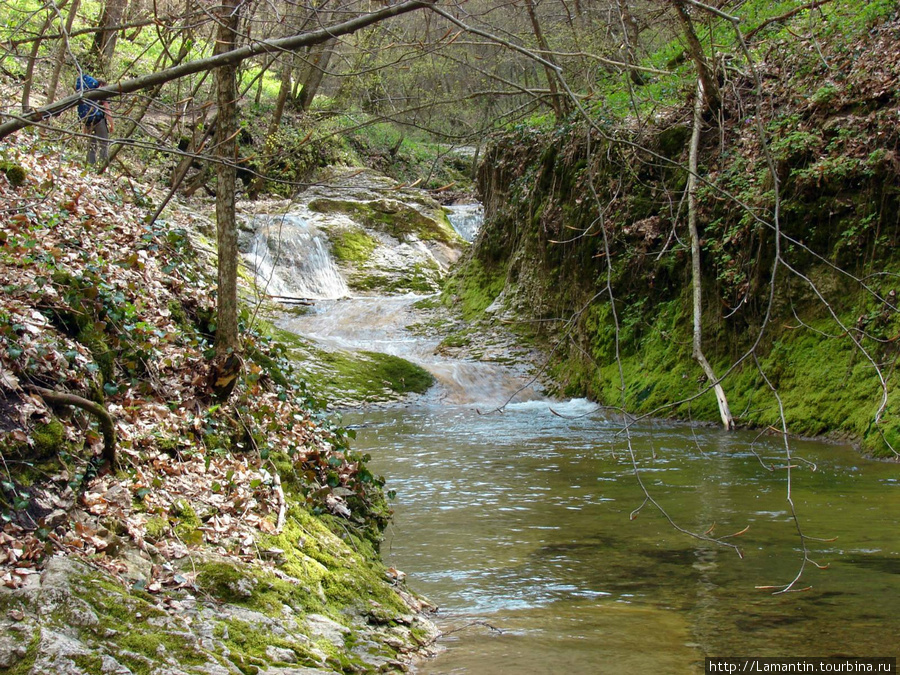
{"points": [[782, 17]]}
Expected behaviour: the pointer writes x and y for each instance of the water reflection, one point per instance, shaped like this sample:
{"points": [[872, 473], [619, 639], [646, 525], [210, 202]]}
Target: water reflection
{"points": [[521, 520]]}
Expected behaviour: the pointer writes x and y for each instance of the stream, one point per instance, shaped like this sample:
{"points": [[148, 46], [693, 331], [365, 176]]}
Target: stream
{"points": [[522, 526]]}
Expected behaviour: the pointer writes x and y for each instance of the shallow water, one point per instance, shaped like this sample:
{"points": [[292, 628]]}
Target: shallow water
{"points": [[518, 526]]}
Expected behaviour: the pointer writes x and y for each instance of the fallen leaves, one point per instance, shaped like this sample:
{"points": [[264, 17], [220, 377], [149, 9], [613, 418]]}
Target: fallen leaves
{"points": [[95, 300]]}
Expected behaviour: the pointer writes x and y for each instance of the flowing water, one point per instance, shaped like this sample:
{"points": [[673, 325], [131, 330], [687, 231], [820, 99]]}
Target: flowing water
{"points": [[291, 257], [466, 219], [520, 522], [521, 525]]}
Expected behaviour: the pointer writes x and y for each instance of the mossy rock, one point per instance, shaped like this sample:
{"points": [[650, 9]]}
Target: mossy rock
{"points": [[392, 217], [351, 245], [15, 173]]}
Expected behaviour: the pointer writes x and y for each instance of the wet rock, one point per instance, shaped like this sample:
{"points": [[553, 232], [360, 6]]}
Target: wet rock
{"points": [[295, 671]]}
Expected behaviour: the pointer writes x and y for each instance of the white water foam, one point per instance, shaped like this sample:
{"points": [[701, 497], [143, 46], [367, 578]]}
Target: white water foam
{"points": [[574, 407]]}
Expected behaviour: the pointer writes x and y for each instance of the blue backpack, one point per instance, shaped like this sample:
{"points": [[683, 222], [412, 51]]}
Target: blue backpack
{"points": [[89, 112]]}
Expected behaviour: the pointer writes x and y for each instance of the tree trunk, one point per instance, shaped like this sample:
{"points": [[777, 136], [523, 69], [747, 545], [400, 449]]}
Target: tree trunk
{"points": [[32, 58], [227, 339], [557, 102], [314, 73], [105, 39], [283, 93], [697, 349], [631, 32], [61, 51], [695, 51]]}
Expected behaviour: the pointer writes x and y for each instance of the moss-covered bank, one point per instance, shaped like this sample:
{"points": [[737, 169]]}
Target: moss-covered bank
{"points": [[575, 217]]}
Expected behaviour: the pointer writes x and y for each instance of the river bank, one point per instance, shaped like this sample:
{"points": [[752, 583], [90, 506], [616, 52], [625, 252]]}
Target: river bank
{"points": [[793, 300], [237, 537]]}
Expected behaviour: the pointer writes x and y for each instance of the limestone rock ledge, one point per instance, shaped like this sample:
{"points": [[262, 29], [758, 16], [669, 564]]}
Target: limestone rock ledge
{"points": [[76, 619]]}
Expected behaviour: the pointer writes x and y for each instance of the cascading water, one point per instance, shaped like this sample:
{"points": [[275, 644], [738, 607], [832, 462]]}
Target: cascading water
{"points": [[291, 258], [466, 219]]}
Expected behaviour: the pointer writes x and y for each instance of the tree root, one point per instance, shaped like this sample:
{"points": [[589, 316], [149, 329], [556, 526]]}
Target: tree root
{"points": [[107, 424]]}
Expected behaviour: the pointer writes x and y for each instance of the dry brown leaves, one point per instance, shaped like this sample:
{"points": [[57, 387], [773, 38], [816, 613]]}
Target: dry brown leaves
{"points": [[68, 224]]}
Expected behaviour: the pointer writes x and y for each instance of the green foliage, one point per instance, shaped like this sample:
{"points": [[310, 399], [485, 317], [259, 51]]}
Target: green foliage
{"points": [[291, 156]]}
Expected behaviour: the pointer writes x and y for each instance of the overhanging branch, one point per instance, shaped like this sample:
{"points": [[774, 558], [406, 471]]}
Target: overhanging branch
{"points": [[233, 57]]}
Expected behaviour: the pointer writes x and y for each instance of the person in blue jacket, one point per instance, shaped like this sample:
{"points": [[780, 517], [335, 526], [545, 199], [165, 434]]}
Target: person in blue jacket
{"points": [[95, 116]]}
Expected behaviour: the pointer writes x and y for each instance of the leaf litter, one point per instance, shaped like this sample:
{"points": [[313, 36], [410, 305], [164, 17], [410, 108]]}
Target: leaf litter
{"points": [[98, 303]]}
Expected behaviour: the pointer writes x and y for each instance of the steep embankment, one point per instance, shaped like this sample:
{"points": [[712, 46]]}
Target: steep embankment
{"points": [[232, 537], [577, 217]]}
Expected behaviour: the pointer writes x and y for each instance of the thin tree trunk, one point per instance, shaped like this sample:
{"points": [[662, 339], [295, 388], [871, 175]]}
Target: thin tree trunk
{"points": [[260, 79], [697, 349], [631, 32], [32, 58], [557, 102], [61, 51], [105, 40], [227, 338], [695, 51], [283, 93], [315, 73]]}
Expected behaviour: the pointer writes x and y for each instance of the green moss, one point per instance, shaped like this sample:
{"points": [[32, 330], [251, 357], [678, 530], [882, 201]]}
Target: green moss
{"points": [[156, 527], [351, 245], [156, 644], [458, 339], [392, 217], [97, 344], [369, 376], [474, 287], [49, 437], [186, 523], [247, 645], [91, 664], [25, 665], [120, 609], [179, 316], [15, 173]]}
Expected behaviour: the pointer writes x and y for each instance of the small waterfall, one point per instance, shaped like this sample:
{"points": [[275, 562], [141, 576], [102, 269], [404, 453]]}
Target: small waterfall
{"points": [[466, 219], [291, 258]]}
